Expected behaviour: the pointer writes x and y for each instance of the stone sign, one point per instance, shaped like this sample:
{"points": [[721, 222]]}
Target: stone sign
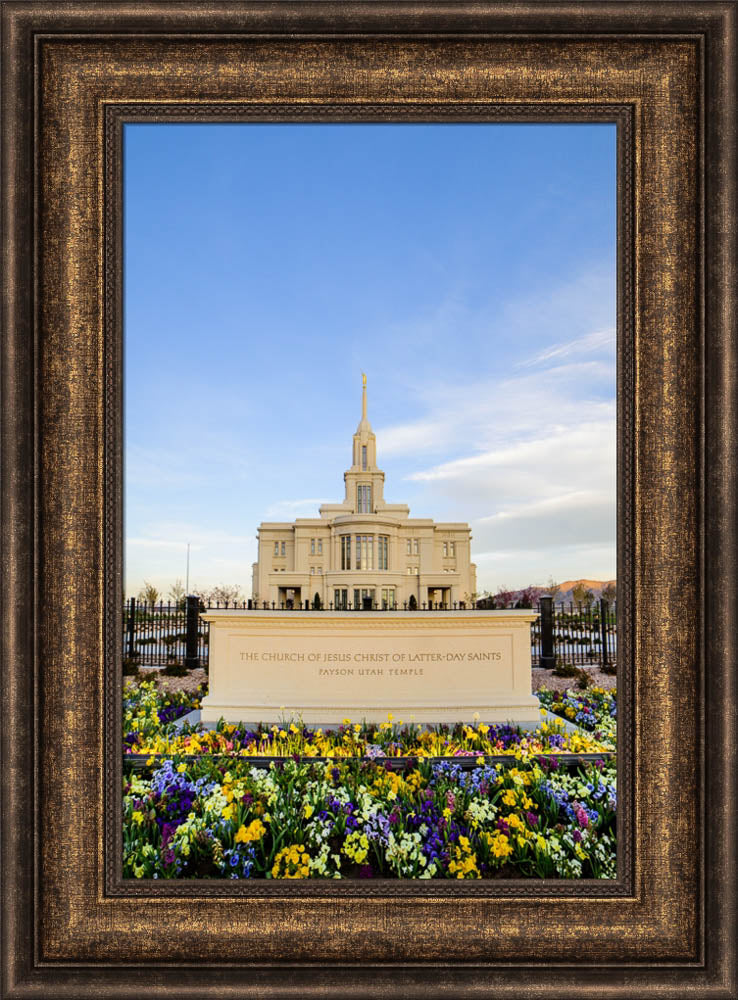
{"points": [[325, 667]]}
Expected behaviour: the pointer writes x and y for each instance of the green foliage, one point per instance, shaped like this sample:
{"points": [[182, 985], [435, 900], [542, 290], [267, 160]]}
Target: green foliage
{"points": [[148, 593]]}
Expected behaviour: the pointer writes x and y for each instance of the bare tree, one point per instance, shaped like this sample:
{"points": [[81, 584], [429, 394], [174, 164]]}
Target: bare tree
{"points": [[552, 588], [224, 594], [528, 597], [609, 592], [504, 597]]}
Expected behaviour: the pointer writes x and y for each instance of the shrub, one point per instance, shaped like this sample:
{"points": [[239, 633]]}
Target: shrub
{"points": [[130, 667], [565, 669], [175, 670]]}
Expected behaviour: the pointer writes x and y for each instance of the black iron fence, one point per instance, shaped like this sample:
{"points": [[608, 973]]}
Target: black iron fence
{"points": [[169, 634], [164, 634], [574, 634]]}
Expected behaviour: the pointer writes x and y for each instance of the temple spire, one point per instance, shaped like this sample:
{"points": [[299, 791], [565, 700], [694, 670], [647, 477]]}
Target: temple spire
{"points": [[363, 396]]}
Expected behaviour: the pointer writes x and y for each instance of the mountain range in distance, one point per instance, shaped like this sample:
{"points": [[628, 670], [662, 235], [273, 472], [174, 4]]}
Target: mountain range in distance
{"points": [[596, 586], [565, 592]]}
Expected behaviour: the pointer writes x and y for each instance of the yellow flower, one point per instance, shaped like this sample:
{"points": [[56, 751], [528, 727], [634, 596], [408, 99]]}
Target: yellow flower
{"points": [[182, 768], [293, 728], [308, 810], [254, 831], [137, 817], [228, 811]]}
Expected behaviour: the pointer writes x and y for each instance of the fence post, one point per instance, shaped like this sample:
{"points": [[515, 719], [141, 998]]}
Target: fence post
{"points": [[131, 627], [547, 659], [604, 610], [192, 660]]}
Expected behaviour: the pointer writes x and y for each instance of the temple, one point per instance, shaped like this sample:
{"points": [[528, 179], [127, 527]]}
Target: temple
{"points": [[364, 553]]}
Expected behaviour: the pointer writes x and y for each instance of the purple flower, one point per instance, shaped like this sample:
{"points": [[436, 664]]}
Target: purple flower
{"points": [[366, 871], [577, 836], [532, 819]]}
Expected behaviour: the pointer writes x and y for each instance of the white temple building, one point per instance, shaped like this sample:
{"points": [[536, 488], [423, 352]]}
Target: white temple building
{"points": [[364, 553]]}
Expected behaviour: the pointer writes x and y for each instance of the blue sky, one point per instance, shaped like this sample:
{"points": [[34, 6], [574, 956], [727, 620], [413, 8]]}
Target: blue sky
{"points": [[469, 270]]}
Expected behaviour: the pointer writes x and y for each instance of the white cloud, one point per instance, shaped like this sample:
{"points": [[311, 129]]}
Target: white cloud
{"points": [[532, 463], [583, 517], [581, 345], [506, 408]]}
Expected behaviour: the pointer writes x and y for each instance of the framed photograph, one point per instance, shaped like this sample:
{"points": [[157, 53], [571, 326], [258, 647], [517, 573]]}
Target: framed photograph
{"points": [[354, 623], [74, 79]]}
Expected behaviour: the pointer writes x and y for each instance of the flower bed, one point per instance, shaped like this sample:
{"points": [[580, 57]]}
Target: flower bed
{"points": [[148, 713], [594, 710], [202, 818], [146, 731], [198, 815]]}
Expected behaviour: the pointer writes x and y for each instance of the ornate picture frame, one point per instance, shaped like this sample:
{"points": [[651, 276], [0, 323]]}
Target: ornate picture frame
{"points": [[72, 74]]}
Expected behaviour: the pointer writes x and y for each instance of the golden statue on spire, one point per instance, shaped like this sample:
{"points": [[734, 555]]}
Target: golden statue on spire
{"points": [[363, 379]]}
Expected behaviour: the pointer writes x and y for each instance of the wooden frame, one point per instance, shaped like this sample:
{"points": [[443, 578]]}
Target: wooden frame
{"points": [[71, 71]]}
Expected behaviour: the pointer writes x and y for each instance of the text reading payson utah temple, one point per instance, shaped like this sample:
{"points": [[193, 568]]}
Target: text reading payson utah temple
{"points": [[364, 552]]}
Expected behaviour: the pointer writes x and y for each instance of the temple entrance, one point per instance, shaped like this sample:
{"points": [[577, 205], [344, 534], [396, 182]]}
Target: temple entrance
{"points": [[439, 597], [289, 598], [363, 598]]}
